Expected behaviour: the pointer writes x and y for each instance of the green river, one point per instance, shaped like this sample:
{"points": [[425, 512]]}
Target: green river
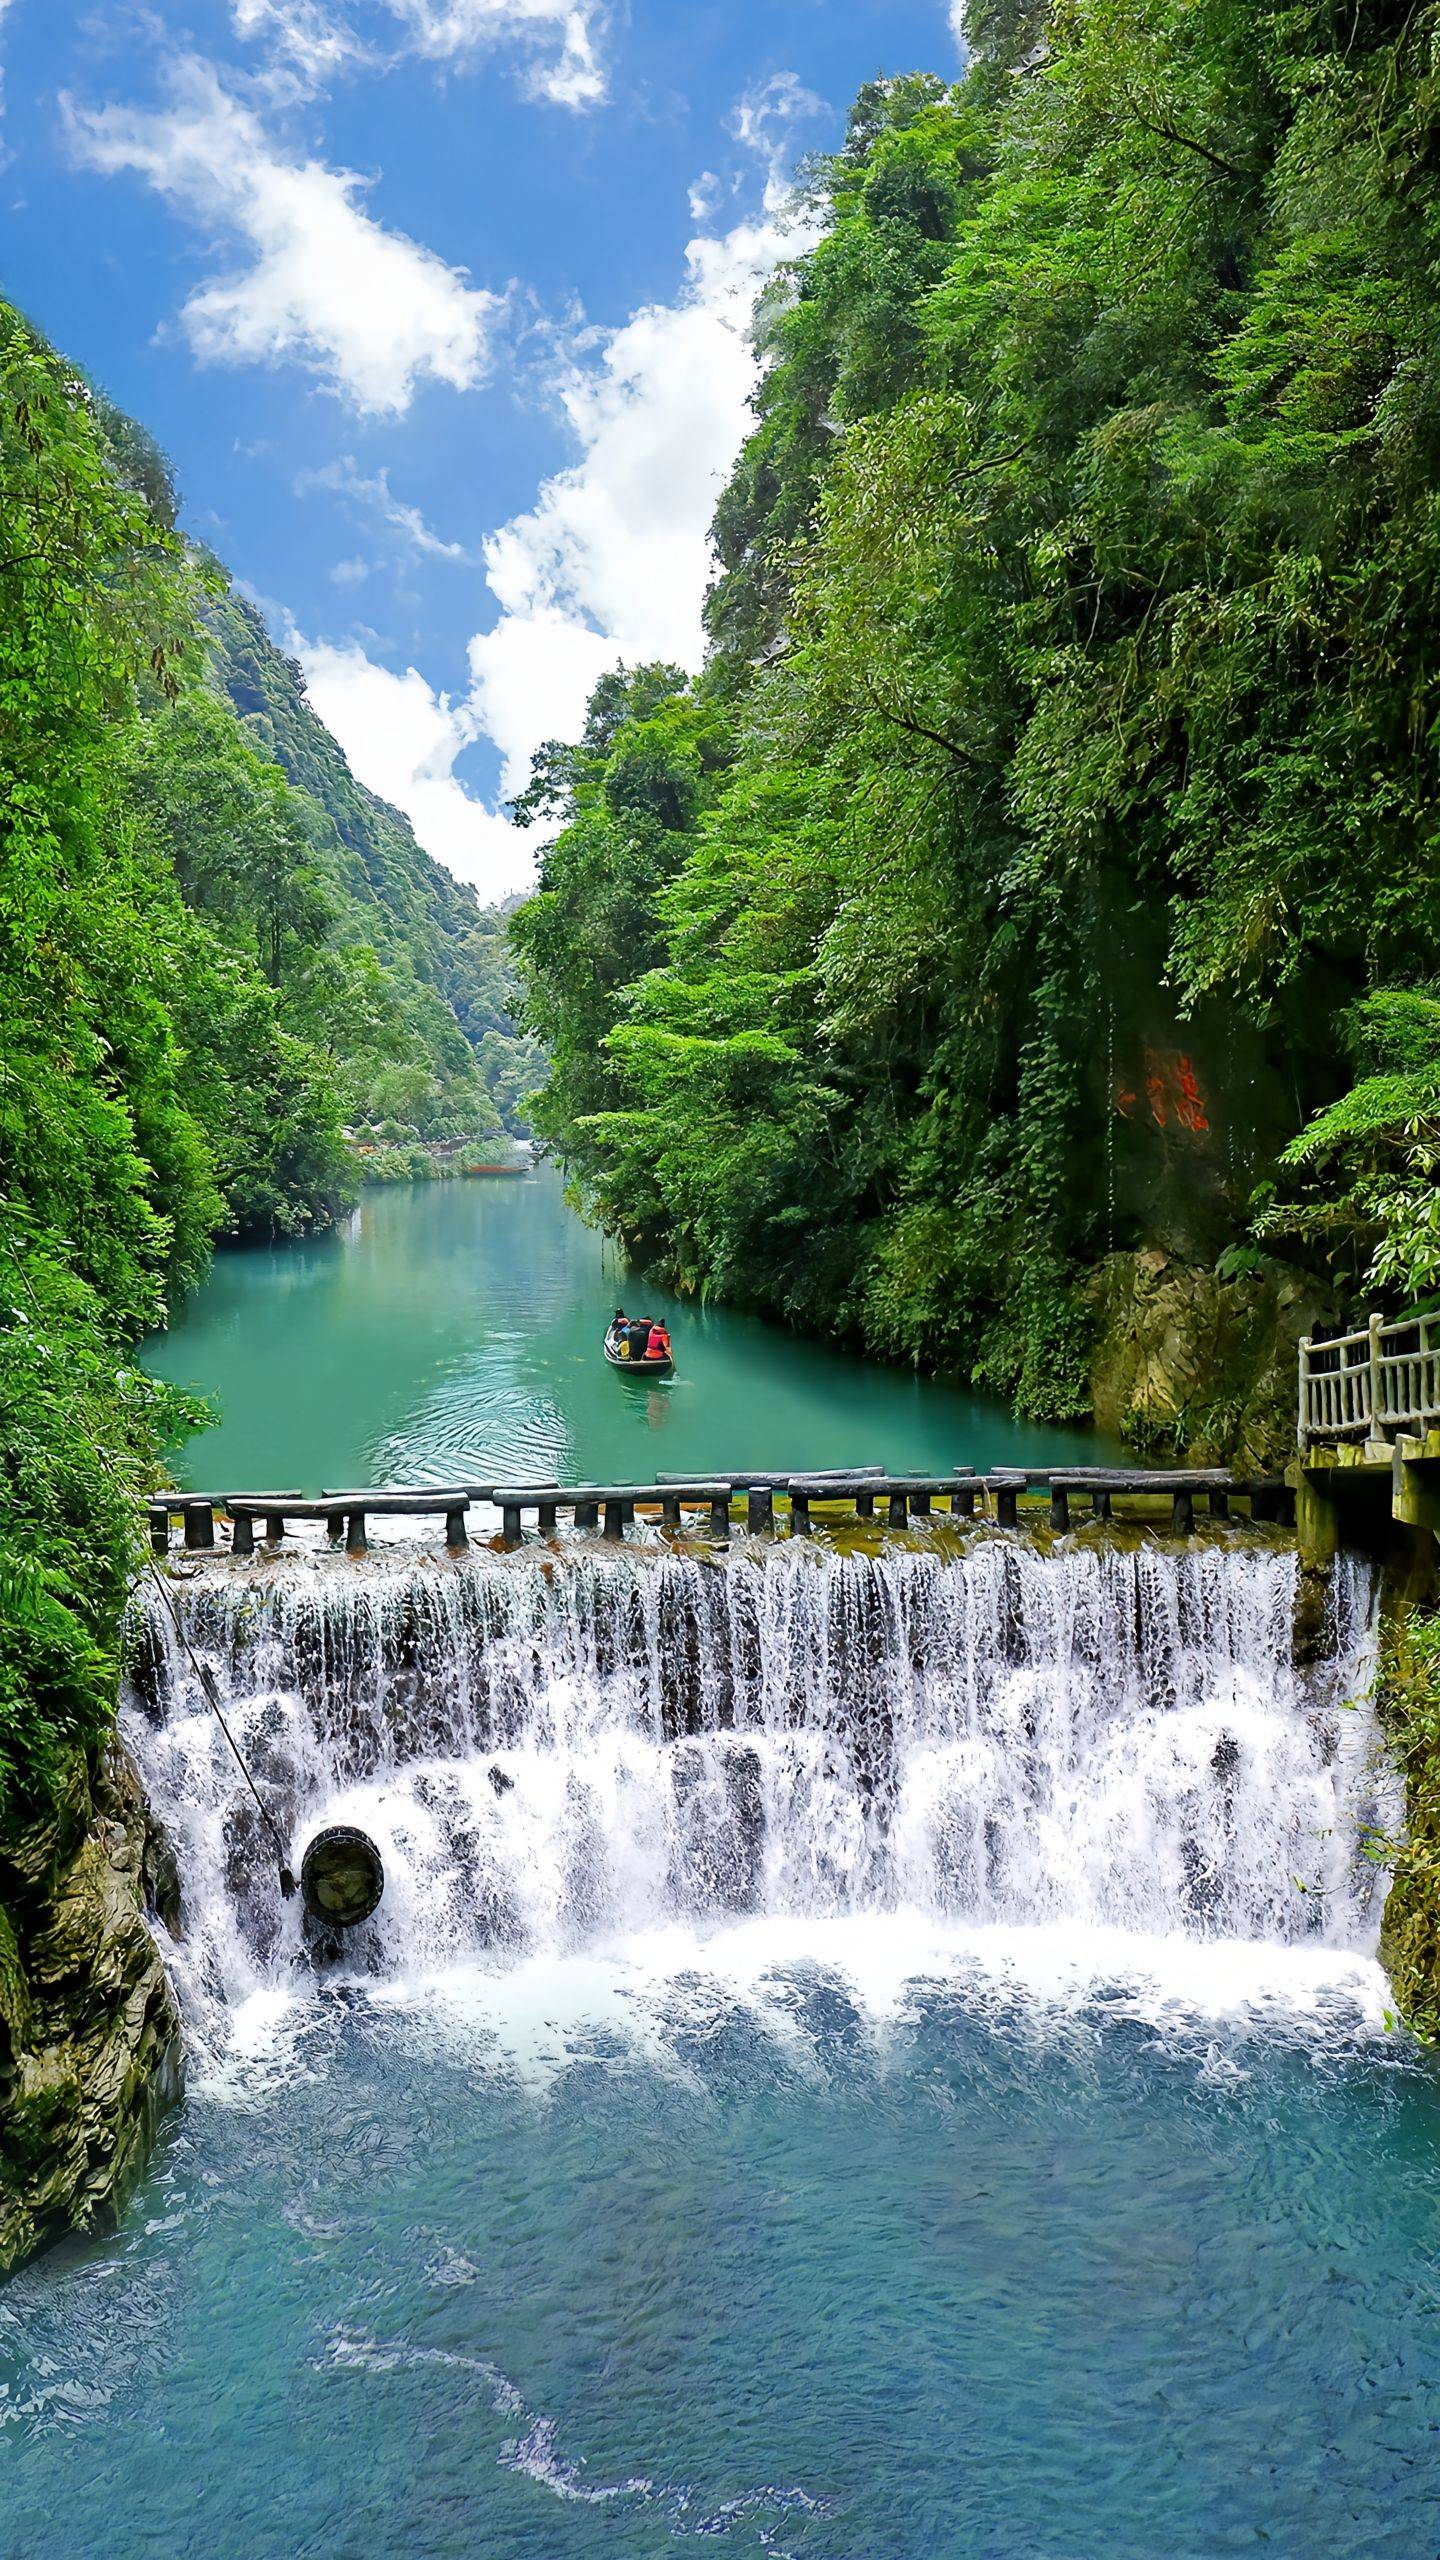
{"points": [[452, 1331]]}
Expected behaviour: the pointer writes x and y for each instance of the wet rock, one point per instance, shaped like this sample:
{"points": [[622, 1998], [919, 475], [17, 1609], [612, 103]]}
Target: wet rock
{"points": [[1190, 1366], [89, 2030], [1314, 1634]]}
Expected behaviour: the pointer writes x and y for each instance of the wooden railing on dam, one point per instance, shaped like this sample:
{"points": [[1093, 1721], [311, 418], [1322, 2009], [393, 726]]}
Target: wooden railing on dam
{"points": [[1373, 1385], [676, 1502]]}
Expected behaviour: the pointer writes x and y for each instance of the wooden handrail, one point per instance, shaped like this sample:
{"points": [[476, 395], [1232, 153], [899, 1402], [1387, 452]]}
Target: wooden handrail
{"points": [[1367, 1386]]}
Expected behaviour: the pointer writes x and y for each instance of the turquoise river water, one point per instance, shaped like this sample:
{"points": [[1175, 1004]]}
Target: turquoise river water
{"points": [[844, 2067], [454, 1331]]}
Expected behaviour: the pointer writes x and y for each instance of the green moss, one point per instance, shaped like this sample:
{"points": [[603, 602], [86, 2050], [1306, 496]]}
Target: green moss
{"points": [[14, 1992], [1408, 1699]]}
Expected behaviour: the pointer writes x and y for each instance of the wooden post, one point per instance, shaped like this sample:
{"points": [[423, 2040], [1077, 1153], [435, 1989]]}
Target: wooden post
{"points": [[759, 1509], [455, 1537], [1219, 1503], [355, 1541], [1059, 1509], [274, 1528], [919, 1506], [242, 1539], [864, 1503], [1006, 1497], [962, 1504], [199, 1525], [1302, 1428], [799, 1515], [1182, 1517], [547, 1519], [614, 1520], [897, 1511], [669, 1510], [1100, 1502], [720, 1518], [587, 1515], [337, 1528], [160, 1532], [510, 1523], [1376, 1379]]}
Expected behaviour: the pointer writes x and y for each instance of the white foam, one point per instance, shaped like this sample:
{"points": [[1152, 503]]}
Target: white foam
{"points": [[1028, 1777]]}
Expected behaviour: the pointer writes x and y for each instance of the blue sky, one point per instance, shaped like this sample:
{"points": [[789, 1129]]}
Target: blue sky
{"points": [[439, 307]]}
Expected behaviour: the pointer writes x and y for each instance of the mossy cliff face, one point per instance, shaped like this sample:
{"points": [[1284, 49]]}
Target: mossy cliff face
{"points": [[89, 2030], [1408, 1698], [1188, 1365]]}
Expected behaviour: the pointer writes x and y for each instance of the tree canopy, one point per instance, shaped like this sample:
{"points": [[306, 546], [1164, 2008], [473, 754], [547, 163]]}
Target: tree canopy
{"points": [[1060, 796]]}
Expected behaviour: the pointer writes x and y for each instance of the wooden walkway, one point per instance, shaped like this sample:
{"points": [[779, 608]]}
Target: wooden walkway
{"points": [[710, 1504]]}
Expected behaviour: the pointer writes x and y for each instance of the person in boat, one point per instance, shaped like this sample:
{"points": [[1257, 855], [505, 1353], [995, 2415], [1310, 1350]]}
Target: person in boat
{"points": [[658, 1345], [638, 1334], [618, 1337]]}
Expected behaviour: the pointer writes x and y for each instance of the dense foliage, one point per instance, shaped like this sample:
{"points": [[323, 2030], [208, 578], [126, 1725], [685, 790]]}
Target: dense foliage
{"points": [[442, 1054], [1060, 797], [203, 976]]}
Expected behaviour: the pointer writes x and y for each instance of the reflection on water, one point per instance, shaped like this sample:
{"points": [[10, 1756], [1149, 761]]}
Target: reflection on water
{"points": [[454, 1331]]}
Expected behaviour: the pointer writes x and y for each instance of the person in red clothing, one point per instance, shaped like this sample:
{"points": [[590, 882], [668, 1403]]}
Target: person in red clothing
{"points": [[658, 1346]]}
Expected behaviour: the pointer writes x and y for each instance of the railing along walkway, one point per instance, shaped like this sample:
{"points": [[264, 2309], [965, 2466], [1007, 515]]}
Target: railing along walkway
{"points": [[1372, 1385], [613, 1508]]}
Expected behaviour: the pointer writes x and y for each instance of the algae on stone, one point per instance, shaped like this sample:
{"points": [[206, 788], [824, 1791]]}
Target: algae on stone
{"points": [[89, 2029]]}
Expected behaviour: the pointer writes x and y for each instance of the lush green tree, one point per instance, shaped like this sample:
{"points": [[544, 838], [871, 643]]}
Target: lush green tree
{"points": [[1072, 773]]}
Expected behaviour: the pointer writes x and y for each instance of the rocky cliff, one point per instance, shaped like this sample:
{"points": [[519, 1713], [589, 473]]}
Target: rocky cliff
{"points": [[1191, 1365], [89, 2030]]}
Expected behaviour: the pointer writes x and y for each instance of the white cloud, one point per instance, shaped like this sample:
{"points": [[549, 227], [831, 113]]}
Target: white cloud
{"points": [[558, 39], [372, 491], [612, 561], [614, 557], [366, 310], [402, 739], [303, 32], [561, 36], [768, 120]]}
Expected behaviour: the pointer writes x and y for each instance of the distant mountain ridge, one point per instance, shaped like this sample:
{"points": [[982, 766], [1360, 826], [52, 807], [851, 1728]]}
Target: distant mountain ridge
{"points": [[423, 923]]}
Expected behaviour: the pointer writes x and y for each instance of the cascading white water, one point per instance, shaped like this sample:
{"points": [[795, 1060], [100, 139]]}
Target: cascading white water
{"points": [[550, 1751]]}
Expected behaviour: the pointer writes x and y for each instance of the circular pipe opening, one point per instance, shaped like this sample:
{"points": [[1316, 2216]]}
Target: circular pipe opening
{"points": [[342, 1877]]}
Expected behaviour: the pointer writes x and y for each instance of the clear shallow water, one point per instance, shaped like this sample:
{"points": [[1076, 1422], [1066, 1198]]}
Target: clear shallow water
{"points": [[632, 2258], [455, 1330]]}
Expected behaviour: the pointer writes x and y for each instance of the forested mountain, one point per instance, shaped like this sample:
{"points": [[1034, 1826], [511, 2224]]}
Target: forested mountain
{"points": [[1044, 872], [206, 972], [387, 894]]}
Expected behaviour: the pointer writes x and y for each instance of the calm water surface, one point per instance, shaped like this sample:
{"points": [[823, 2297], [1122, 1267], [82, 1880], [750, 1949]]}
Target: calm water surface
{"points": [[455, 1330]]}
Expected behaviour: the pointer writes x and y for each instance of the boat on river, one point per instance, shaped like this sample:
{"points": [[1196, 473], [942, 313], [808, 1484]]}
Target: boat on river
{"points": [[622, 1356]]}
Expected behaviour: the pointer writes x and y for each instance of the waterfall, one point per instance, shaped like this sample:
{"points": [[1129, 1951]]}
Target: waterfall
{"points": [[553, 1749]]}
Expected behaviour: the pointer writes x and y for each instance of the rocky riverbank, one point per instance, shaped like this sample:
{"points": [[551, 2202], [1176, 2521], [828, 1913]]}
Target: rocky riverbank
{"points": [[89, 2028], [1190, 1365]]}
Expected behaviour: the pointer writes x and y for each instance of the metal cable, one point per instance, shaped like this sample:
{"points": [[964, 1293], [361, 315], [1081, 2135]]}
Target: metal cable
{"points": [[205, 1677]]}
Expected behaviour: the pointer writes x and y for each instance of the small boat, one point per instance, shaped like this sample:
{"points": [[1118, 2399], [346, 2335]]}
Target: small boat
{"points": [[620, 1357]]}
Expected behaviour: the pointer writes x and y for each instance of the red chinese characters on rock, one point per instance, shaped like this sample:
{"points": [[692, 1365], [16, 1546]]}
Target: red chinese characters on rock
{"points": [[1171, 1093]]}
